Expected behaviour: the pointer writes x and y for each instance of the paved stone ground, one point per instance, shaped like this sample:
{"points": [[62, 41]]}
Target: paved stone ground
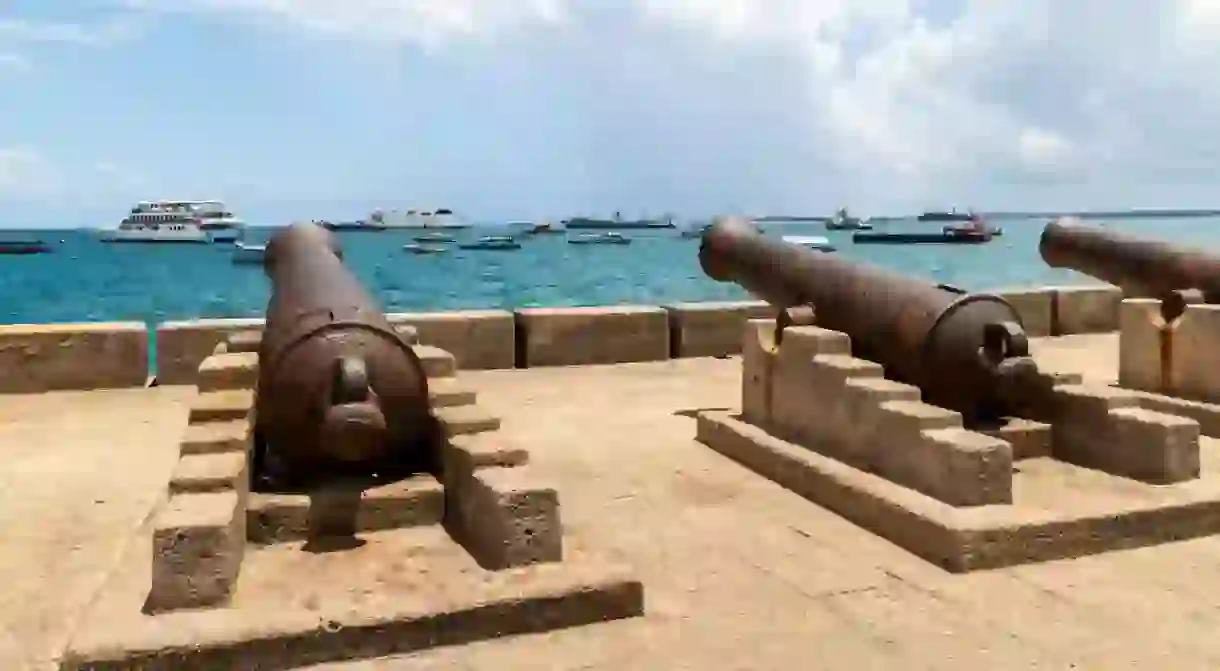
{"points": [[740, 573]]}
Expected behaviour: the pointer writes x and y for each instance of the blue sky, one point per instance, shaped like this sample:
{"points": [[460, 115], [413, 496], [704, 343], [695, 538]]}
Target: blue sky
{"points": [[543, 108]]}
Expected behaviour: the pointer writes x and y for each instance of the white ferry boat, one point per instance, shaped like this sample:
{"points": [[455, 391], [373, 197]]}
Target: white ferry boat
{"points": [[199, 221], [442, 218]]}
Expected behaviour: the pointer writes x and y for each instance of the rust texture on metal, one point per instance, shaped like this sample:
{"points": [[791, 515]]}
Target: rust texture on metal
{"points": [[967, 352], [339, 391], [1138, 266]]}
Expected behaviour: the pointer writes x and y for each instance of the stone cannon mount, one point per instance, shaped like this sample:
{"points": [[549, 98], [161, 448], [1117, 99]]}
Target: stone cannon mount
{"points": [[222, 577]]}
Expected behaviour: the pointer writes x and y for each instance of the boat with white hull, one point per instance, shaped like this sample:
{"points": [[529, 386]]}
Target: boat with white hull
{"points": [[180, 221], [442, 218]]}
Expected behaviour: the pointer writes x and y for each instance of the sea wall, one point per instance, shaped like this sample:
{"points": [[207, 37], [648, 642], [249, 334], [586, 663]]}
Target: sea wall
{"points": [[35, 358]]}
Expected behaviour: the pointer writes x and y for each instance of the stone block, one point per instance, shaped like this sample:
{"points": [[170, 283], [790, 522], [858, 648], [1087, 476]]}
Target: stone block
{"points": [[478, 339], [218, 472], [1029, 439], [35, 358], [758, 353], [1086, 309], [466, 419], [1153, 447], [241, 341], [859, 417], [1195, 354], [221, 406], [1141, 329], [216, 437], [436, 361], [183, 345], [444, 392], [505, 518], [711, 329], [416, 501], [466, 453], [960, 467], [237, 370], [600, 335], [198, 543], [1105, 428], [1035, 307]]}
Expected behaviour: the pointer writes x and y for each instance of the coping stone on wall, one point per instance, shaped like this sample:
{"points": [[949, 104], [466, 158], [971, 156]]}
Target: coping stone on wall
{"points": [[478, 339], [711, 328], [183, 345], [591, 335], [52, 357]]}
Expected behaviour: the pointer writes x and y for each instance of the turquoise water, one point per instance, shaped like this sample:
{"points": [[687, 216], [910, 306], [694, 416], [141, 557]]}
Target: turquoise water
{"points": [[89, 281]]}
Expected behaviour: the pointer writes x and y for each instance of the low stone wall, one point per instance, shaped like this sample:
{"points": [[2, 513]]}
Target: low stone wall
{"points": [[88, 356], [50, 357]]}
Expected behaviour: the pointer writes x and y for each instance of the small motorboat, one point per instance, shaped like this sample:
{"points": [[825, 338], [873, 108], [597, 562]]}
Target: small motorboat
{"points": [[424, 249], [493, 242], [434, 237], [815, 242], [243, 253], [608, 238], [24, 247], [844, 222]]}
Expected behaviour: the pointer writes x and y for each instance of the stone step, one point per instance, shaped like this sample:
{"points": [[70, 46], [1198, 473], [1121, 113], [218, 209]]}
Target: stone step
{"points": [[466, 419], [436, 361], [200, 473], [215, 437], [447, 392], [221, 406], [237, 370]]}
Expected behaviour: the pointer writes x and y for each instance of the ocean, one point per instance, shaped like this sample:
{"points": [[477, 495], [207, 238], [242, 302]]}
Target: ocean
{"points": [[85, 280]]}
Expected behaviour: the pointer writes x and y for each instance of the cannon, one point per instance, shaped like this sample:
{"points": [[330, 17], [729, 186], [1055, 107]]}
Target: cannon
{"points": [[966, 352], [339, 392], [1146, 267]]}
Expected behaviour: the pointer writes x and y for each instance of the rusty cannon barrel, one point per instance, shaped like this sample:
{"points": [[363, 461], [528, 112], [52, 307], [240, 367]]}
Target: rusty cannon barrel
{"points": [[966, 352], [339, 392], [1147, 267]]}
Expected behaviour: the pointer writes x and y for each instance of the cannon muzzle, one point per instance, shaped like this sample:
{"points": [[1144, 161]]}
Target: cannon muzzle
{"points": [[339, 392], [966, 352], [1145, 267]]}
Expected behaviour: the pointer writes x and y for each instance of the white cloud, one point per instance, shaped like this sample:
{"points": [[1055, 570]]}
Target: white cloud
{"points": [[102, 34], [900, 101]]}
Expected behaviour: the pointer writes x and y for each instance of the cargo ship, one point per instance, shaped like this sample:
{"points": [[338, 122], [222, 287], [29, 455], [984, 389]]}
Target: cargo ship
{"points": [[578, 223]]}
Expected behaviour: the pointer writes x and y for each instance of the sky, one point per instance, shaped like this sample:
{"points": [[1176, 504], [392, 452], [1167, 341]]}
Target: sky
{"points": [[522, 109]]}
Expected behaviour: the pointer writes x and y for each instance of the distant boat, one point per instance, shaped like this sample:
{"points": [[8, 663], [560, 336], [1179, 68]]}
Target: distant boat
{"points": [[845, 222], [600, 239], [815, 242], [414, 219], [248, 254], [493, 242], [424, 249], [358, 225], [577, 223], [953, 235], [24, 247], [433, 237], [951, 215]]}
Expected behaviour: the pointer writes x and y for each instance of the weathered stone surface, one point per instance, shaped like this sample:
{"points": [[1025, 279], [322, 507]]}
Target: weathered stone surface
{"points": [[183, 345], [478, 339], [52, 357], [1035, 306], [711, 329], [601, 335], [198, 543], [1086, 309]]}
